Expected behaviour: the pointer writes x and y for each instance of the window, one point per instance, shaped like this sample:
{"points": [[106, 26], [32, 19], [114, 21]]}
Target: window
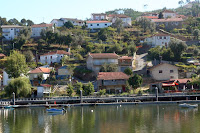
{"points": [[171, 71], [11, 29], [105, 24], [51, 57], [160, 37], [160, 71], [46, 58], [165, 37], [171, 77], [97, 24], [90, 24]]}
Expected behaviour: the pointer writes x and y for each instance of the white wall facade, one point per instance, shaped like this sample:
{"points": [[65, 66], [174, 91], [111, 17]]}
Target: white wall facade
{"points": [[169, 15], [55, 58], [10, 33], [37, 30], [126, 21], [158, 41], [98, 25], [57, 23]]}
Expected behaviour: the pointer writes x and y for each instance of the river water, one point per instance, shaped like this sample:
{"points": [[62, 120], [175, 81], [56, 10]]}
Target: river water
{"points": [[103, 119]]}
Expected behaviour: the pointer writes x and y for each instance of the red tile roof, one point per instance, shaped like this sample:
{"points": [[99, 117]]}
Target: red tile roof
{"points": [[118, 15], [41, 70], [57, 52], [104, 55], [150, 17], [112, 76], [41, 25], [182, 81], [91, 22], [168, 20]]}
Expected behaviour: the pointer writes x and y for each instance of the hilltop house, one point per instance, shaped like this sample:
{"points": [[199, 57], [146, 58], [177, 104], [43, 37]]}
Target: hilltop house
{"points": [[98, 16], [37, 29], [52, 57], [40, 71], [97, 24], [60, 22], [96, 60], [125, 19], [169, 23], [164, 71], [158, 40], [169, 14], [10, 32], [113, 82]]}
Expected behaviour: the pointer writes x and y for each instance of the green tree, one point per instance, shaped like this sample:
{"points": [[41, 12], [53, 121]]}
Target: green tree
{"points": [[160, 16], [196, 33], [29, 22], [70, 90], [108, 68], [23, 21], [135, 81], [29, 56], [102, 92], [131, 48], [16, 64], [68, 25], [128, 71], [177, 47], [78, 86], [88, 89], [103, 34], [20, 86]]}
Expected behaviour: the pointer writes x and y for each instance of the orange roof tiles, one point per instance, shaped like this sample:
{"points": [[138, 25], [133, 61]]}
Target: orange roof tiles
{"points": [[112, 76], [126, 58], [104, 55], [41, 70], [2, 55]]}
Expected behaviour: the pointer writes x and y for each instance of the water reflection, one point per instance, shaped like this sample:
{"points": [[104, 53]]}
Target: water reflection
{"points": [[103, 119]]}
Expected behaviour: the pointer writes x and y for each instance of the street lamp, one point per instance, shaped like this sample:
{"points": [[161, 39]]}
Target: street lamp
{"points": [[156, 93], [13, 98]]}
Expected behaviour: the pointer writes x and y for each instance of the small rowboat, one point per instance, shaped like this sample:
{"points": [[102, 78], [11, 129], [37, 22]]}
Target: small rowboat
{"points": [[185, 105], [54, 110]]}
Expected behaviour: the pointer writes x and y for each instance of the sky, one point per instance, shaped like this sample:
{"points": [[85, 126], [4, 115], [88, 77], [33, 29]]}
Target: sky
{"points": [[45, 10]]}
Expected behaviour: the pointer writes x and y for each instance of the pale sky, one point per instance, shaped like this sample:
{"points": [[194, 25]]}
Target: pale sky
{"points": [[39, 10]]}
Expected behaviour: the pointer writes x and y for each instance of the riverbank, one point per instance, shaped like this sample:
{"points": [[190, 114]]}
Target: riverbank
{"points": [[106, 104]]}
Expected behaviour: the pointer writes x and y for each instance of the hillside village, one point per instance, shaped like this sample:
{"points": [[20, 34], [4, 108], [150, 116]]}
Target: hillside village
{"points": [[110, 53]]}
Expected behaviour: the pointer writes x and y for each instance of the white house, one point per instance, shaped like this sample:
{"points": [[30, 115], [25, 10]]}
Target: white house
{"points": [[52, 57], [97, 24], [11, 31], [37, 29], [94, 61], [169, 14], [125, 19], [99, 16], [164, 71], [43, 89], [158, 40], [60, 22]]}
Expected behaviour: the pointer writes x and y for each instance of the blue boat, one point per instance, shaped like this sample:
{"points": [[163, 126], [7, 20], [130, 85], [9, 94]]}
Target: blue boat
{"points": [[54, 110]]}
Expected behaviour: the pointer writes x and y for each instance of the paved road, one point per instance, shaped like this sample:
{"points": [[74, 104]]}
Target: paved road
{"points": [[140, 62]]}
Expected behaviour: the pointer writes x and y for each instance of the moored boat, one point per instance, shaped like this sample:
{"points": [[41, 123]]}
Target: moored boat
{"points": [[185, 105], [54, 110]]}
